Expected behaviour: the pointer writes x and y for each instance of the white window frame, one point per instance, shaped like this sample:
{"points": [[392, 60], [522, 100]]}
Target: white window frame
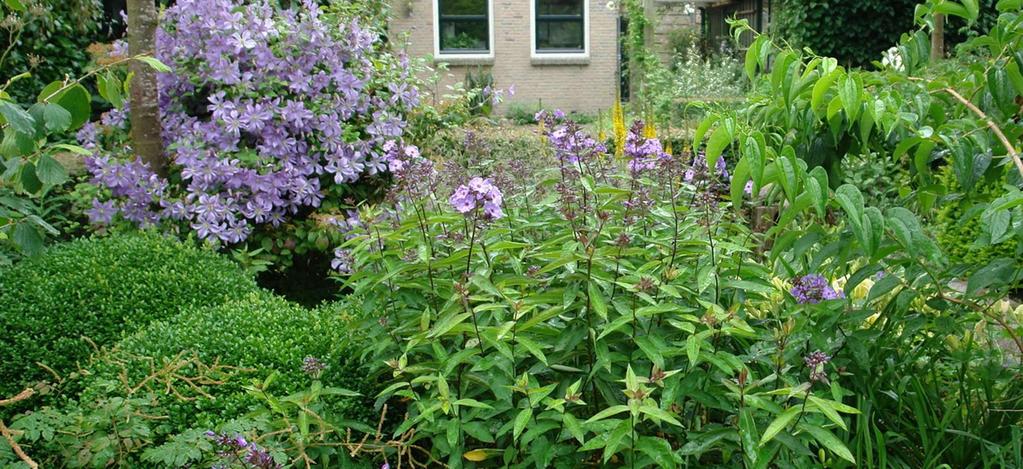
{"points": [[437, 54], [583, 54]]}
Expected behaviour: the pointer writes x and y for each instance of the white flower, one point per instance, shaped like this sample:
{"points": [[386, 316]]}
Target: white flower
{"points": [[892, 58], [611, 5]]}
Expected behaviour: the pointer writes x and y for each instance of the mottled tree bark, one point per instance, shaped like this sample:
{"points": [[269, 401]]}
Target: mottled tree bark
{"points": [[938, 37], [143, 19]]}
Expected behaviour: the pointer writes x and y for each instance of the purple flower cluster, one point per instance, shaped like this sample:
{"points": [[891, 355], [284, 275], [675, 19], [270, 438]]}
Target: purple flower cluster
{"points": [[816, 361], [266, 110], [570, 143], [478, 193], [138, 192], [313, 366], [814, 288], [236, 447], [698, 170], [644, 154]]}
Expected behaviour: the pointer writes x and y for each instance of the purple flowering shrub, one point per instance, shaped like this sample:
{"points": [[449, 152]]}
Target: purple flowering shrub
{"points": [[272, 118]]}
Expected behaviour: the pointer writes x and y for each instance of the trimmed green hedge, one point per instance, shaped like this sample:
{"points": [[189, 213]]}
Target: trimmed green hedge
{"points": [[261, 332], [100, 288]]}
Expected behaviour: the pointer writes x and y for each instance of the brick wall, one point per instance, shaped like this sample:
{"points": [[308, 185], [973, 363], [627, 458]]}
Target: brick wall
{"points": [[585, 85], [670, 16]]}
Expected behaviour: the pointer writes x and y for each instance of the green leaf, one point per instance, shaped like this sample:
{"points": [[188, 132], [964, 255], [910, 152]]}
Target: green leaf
{"points": [[573, 427], [851, 200], [614, 439], [820, 90], [828, 411], [50, 171], [473, 403], [77, 101], [597, 301], [73, 149], [27, 238], [18, 118], [829, 441], [56, 118], [703, 128], [693, 350], [659, 450], [613, 410], [520, 422], [15, 5], [447, 323], [849, 93], [154, 63], [778, 424], [659, 414], [719, 140]]}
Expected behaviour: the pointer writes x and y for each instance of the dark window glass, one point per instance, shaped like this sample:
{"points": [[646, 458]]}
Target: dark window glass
{"points": [[559, 26], [463, 26]]}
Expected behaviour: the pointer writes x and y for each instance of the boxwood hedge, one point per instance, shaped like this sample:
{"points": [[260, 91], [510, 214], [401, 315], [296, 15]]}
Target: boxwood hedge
{"points": [[100, 289], [261, 334]]}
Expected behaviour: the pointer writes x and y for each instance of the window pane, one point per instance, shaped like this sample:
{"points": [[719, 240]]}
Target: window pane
{"points": [[559, 7], [463, 35], [462, 7], [559, 35]]}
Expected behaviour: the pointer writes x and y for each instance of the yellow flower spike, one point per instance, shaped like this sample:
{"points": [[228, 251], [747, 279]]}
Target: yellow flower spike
{"points": [[618, 127], [649, 131], [668, 149]]}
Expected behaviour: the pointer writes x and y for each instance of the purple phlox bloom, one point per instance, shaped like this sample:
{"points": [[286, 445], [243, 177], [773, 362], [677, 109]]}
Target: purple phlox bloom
{"points": [[478, 193]]}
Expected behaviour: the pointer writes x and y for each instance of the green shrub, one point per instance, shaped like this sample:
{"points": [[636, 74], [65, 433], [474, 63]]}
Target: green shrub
{"points": [[51, 44], [958, 226], [260, 335], [100, 288]]}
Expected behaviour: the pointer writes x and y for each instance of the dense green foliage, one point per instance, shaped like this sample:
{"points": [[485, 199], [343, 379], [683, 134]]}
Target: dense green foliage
{"points": [[261, 333], [958, 227], [49, 40], [948, 345], [199, 371], [99, 289], [854, 32]]}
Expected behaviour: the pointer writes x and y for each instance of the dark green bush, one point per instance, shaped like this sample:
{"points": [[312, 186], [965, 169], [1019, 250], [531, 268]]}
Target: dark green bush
{"points": [[259, 334], [100, 288], [52, 43]]}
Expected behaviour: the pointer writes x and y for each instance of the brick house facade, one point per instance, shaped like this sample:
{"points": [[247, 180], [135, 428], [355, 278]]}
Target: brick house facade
{"points": [[526, 43], [579, 80]]}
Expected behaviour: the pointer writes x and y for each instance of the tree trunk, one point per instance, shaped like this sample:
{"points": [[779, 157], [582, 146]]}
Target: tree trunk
{"points": [[143, 19], [938, 37]]}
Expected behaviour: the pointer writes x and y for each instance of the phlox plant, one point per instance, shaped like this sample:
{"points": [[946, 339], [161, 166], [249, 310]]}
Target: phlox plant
{"points": [[271, 119], [617, 312]]}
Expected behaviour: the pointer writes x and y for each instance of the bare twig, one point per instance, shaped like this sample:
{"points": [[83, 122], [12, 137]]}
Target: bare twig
{"points": [[1013, 153], [8, 434]]}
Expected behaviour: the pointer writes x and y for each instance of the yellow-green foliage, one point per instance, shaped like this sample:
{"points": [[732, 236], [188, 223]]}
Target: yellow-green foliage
{"points": [[958, 236]]}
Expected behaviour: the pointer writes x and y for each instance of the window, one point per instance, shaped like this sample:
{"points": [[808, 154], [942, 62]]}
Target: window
{"points": [[463, 26], [560, 26]]}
